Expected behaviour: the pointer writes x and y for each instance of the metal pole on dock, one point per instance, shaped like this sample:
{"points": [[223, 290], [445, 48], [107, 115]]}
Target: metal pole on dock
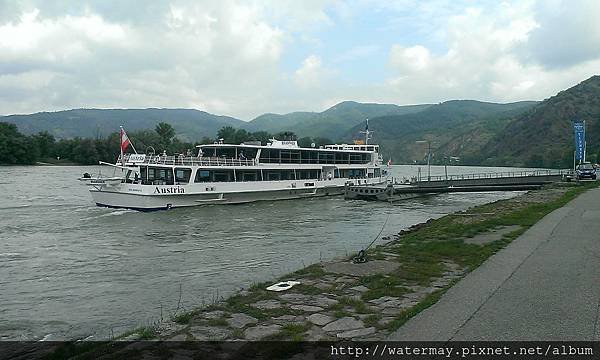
{"points": [[428, 160], [446, 168]]}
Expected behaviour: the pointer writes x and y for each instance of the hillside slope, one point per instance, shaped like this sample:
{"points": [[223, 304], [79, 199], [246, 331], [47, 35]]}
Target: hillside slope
{"points": [[331, 123], [439, 124], [543, 136], [189, 124]]}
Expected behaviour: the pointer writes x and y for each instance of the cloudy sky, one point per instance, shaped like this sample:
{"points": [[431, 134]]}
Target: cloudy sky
{"points": [[245, 58]]}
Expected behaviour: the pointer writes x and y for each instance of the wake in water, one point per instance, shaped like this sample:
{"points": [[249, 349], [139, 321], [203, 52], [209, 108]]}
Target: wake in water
{"points": [[111, 213]]}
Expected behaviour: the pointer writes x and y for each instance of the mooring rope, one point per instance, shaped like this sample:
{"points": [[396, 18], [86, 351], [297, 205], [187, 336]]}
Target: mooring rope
{"points": [[360, 257]]}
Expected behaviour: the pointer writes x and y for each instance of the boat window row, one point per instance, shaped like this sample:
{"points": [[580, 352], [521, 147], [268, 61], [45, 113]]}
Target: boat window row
{"points": [[181, 175], [255, 175], [286, 156]]}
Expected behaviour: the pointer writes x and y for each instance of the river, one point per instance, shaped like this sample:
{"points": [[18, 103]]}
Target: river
{"points": [[69, 269]]}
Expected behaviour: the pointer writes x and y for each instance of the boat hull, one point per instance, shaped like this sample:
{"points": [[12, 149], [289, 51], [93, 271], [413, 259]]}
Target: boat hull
{"points": [[148, 202]]}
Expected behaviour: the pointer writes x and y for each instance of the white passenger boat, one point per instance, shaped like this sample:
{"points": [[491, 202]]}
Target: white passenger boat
{"points": [[230, 174]]}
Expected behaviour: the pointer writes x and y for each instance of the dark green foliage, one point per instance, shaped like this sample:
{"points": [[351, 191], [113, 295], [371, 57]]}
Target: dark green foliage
{"points": [[231, 135], [286, 135], [166, 134], [15, 148]]}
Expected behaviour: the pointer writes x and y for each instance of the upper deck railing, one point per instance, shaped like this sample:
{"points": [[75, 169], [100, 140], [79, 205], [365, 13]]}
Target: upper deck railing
{"points": [[174, 160], [181, 160]]}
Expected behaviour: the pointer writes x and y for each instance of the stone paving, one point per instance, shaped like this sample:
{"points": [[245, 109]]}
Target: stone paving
{"points": [[333, 308]]}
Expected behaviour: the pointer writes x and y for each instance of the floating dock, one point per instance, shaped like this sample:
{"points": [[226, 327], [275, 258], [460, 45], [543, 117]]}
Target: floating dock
{"points": [[501, 181]]}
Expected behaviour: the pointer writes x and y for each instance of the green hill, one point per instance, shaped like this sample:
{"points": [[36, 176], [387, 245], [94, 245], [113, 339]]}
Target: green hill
{"points": [[523, 133], [543, 136], [190, 124], [441, 124], [331, 123], [276, 122]]}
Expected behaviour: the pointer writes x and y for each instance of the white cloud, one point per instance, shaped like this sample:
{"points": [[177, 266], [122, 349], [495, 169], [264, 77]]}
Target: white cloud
{"points": [[567, 33], [310, 72], [483, 61], [221, 55], [409, 60], [244, 58]]}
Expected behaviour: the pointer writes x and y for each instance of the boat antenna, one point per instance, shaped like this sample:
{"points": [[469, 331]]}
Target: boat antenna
{"points": [[367, 133]]}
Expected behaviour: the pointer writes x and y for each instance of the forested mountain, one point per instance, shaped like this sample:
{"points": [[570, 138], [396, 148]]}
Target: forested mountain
{"points": [[440, 124], [190, 124], [331, 123], [543, 136], [525, 133]]}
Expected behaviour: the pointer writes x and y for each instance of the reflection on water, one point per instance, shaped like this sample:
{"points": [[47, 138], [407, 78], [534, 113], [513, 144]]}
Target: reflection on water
{"points": [[69, 269]]}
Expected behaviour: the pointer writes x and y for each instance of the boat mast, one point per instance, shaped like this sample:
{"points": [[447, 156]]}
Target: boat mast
{"points": [[367, 133]]}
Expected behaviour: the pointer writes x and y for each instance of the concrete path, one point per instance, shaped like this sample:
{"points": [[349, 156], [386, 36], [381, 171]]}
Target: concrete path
{"points": [[544, 286]]}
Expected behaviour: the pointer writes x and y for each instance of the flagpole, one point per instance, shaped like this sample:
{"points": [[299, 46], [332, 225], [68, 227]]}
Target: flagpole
{"points": [[121, 145]]}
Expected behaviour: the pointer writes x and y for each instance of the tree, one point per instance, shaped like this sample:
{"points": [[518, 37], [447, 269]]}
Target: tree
{"points": [[205, 140], [85, 152], [44, 143], [319, 141], [166, 133], [16, 148], [241, 136], [286, 135], [262, 136], [305, 142], [227, 133]]}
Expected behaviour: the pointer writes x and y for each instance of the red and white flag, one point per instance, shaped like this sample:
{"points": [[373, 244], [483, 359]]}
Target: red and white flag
{"points": [[389, 163], [124, 141]]}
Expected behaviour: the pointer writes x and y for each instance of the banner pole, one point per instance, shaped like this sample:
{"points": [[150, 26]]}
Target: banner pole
{"points": [[584, 141]]}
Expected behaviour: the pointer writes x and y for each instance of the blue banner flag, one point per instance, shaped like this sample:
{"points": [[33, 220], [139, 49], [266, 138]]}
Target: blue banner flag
{"points": [[579, 129]]}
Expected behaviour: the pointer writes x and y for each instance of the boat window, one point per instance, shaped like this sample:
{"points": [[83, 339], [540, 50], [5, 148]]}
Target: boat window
{"points": [[290, 156], [202, 176], [377, 172], [272, 175], [270, 156], [308, 174], [248, 176], [326, 158], [159, 176], [223, 176], [182, 175]]}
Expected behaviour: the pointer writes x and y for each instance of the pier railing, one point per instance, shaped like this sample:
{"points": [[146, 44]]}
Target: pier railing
{"points": [[496, 175], [188, 160]]}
